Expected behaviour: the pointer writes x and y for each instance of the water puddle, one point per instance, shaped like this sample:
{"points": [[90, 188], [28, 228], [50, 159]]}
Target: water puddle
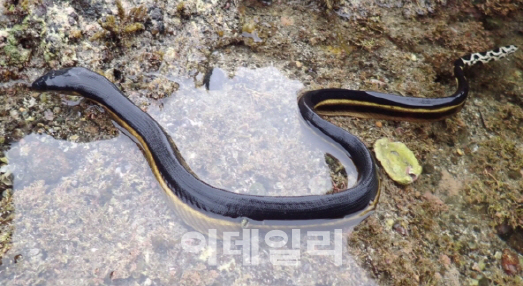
{"points": [[93, 213]]}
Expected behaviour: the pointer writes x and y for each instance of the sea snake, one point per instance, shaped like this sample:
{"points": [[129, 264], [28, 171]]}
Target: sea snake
{"points": [[204, 206]]}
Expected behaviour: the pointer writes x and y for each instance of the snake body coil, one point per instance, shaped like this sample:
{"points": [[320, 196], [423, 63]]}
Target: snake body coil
{"points": [[204, 206]]}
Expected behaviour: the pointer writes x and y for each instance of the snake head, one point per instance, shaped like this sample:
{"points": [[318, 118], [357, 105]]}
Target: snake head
{"points": [[78, 81], [53, 80], [75, 80]]}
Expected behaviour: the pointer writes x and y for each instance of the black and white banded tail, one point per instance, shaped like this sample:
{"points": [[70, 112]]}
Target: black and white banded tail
{"points": [[485, 57]]}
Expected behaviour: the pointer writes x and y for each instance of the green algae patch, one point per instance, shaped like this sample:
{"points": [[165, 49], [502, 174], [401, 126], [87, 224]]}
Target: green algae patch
{"points": [[398, 161], [13, 51]]}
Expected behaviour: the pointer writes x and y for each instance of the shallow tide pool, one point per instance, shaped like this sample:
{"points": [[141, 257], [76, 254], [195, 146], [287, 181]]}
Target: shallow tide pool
{"points": [[93, 213]]}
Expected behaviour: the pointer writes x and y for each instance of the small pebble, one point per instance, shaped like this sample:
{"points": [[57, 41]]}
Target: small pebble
{"points": [[428, 168], [514, 175], [400, 229], [510, 262]]}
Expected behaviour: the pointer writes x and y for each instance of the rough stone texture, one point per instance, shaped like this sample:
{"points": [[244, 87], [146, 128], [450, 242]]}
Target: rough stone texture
{"points": [[105, 222]]}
